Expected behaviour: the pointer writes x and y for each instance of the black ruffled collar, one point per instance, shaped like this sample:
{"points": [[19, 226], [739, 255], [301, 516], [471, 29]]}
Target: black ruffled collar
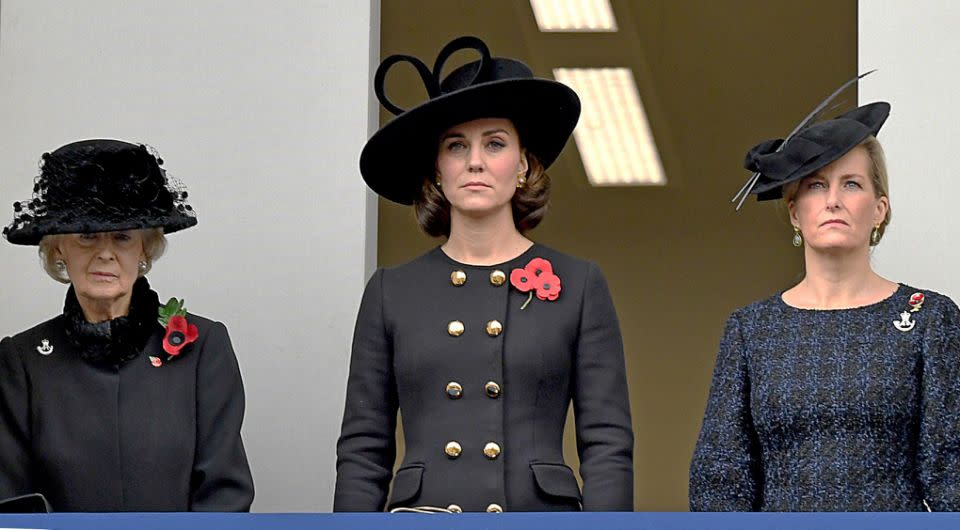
{"points": [[114, 341]]}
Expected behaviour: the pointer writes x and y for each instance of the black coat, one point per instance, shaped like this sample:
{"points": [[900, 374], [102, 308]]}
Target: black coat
{"points": [[548, 354], [125, 435]]}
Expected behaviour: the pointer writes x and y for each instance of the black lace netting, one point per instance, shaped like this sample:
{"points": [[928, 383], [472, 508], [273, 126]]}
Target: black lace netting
{"points": [[100, 185]]}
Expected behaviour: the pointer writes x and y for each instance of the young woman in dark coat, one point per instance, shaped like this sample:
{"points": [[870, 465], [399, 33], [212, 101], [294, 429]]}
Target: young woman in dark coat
{"points": [[483, 342], [120, 403]]}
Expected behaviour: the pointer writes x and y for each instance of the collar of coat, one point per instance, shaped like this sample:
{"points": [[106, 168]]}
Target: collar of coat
{"points": [[118, 340]]}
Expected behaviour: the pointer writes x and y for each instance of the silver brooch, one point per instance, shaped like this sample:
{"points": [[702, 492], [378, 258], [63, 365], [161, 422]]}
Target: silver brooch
{"points": [[904, 324], [915, 304], [45, 348]]}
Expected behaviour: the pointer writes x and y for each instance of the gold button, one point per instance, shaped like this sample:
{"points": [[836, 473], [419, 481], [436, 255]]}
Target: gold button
{"points": [[494, 328], [454, 390], [455, 328], [497, 277], [495, 508], [458, 278], [455, 509], [493, 389], [491, 450], [453, 449]]}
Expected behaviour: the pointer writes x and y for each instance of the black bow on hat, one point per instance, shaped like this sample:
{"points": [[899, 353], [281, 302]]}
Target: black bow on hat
{"points": [[397, 158], [809, 147]]}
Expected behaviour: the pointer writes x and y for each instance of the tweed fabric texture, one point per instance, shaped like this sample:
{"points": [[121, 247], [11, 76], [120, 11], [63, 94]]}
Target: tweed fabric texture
{"points": [[833, 410]]}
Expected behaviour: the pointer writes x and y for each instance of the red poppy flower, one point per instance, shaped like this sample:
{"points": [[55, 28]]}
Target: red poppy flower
{"points": [[538, 267], [528, 277], [549, 288], [537, 275], [179, 334], [916, 299], [522, 281]]}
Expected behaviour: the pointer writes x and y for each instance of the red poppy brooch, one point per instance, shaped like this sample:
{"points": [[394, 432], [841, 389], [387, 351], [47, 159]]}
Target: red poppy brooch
{"points": [[179, 333], [537, 277]]}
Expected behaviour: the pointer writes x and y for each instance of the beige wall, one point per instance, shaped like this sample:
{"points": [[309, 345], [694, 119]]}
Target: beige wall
{"points": [[717, 78], [914, 45]]}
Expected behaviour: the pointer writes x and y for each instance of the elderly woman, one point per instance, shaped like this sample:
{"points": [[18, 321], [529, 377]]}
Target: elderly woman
{"points": [[840, 393], [120, 403], [483, 342]]}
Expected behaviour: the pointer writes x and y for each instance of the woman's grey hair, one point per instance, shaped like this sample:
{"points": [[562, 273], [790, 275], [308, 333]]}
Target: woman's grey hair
{"points": [[154, 243]]}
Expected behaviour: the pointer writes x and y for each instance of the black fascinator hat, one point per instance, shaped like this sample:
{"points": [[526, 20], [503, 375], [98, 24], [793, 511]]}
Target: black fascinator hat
{"points": [[99, 186], [398, 157], [811, 146]]}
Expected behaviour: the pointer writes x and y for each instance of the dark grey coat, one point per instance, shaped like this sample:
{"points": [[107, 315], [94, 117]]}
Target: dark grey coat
{"points": [[106, 437], [549, 354]]}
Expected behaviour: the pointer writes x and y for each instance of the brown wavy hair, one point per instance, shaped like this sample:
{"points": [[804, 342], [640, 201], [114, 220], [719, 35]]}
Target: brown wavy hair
{"points": [[529, 202]]}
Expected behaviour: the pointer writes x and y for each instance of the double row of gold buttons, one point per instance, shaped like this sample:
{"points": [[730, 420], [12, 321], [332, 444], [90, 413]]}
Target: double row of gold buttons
{"points": [[491, 450], [494, 328], [455, 390], [497, 277]]}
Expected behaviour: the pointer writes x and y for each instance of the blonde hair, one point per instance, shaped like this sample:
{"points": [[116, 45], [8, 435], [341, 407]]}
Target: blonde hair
{"points": [[154, 244], [878, 176]]}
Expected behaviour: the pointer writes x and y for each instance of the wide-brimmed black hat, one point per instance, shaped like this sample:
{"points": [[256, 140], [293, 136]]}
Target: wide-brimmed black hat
{"points": [[398, 157], [99, 186], [811, 146]]}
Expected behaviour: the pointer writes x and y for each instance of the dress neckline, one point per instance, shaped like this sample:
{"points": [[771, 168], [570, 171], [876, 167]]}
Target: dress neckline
{"points": [[443, 255], [900, 287]]}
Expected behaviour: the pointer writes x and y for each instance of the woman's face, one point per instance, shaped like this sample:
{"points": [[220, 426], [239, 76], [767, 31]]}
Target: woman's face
{"points": [[102, 266], [837, 207], [478, 163]]}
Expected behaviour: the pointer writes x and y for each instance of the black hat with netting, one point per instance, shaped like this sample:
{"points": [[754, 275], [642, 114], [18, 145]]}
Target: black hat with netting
{"points": [[100, 186]]}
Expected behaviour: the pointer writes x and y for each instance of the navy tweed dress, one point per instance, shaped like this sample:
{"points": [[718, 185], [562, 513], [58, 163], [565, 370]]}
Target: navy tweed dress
{"points": [[834, 410]]}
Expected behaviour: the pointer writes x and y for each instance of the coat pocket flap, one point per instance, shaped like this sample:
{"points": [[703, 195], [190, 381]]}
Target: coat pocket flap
{"points": [[556, 480], [406, 484]]}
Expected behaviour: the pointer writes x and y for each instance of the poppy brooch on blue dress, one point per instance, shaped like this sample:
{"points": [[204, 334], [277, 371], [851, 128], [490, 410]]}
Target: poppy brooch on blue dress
{"points": [[536, 276], [915, 303], [179, 333]]}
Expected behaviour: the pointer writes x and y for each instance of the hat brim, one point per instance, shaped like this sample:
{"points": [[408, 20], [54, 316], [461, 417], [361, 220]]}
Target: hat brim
{"points": [[861, 123], [402, 154], [30, 233], [773, 190]]}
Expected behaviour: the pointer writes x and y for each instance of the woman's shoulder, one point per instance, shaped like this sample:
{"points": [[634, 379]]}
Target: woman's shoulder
{"points": [[772, 304], [202, 321], [928, 300], [34, 335], [207, 326], [929, 295], [561, 260]]}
